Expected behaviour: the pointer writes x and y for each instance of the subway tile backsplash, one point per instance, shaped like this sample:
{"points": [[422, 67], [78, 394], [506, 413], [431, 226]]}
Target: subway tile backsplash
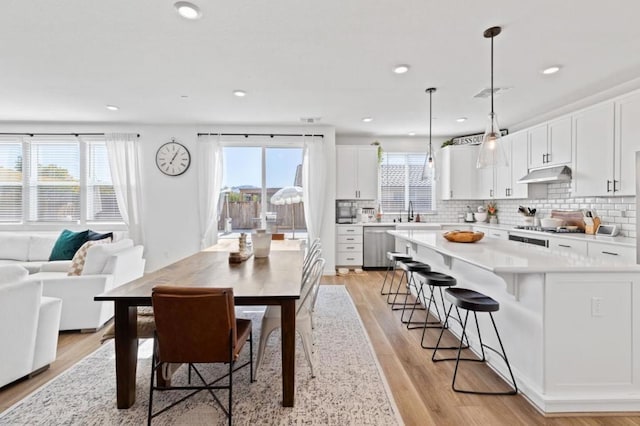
{"points": [[611, 210]]}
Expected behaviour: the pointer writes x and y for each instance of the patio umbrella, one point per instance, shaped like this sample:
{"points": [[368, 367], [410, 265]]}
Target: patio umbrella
{"points": [[288, 195]]}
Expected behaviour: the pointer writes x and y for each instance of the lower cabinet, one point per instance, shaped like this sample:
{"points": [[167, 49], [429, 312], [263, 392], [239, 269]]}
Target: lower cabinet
{"points": [[348, 245], [604, 250], [566, 245]]}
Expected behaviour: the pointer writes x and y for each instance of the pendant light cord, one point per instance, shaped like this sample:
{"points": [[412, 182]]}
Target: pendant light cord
{"points": [[492, 77], [430, 120]]}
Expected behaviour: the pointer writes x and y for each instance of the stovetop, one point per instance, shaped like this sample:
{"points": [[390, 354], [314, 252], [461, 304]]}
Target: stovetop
{"points": [[558, 230]]}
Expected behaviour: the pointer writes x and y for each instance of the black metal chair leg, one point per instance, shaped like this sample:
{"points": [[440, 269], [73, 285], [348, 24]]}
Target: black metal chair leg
{"points": [[390, 267]]}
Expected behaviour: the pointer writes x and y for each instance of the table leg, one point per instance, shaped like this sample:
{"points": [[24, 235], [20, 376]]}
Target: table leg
{"points": [[126, 353], [288, 324]]}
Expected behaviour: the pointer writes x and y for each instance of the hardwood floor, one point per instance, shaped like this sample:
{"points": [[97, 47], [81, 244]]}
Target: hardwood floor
{"points": [[421, 388]]}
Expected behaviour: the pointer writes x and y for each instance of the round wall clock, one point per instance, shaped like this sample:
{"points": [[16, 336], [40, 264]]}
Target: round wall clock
{"points": [[173, 158]]}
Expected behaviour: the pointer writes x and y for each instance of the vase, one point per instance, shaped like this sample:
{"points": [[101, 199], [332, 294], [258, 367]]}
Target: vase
{"points": [[493, 220]]}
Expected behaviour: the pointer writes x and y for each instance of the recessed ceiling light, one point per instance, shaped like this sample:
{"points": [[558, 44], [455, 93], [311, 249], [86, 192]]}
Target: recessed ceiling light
{"points": [[401, 69], [551, 70], [367, 119], [188, 10], [412, 133], [461, 119], [112, 107], [240, 93], [184, 96]]}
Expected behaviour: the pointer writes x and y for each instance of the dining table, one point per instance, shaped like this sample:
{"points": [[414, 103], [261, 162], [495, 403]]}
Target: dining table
{"points": [[271, 280]]}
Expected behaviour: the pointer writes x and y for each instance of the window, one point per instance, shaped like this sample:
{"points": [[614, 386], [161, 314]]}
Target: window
{"points": [[401, 182], [61, 179]]}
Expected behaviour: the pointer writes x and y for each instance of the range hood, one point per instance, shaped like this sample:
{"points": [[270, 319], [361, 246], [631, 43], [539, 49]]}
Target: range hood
{"points": [[548, 175]]}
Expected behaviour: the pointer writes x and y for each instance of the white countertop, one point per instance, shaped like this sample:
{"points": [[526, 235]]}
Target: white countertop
{"points": [[503, 256]]}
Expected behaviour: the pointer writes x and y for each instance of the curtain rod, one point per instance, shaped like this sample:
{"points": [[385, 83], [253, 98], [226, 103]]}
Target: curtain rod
{"points": [[56, 134], [246, 135]]}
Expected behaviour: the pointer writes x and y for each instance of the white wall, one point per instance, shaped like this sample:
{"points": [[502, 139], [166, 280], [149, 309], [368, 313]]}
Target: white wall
{"points": [[170, 204]]}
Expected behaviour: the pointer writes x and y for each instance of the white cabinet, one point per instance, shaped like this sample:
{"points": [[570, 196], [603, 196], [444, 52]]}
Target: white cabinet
{"points": [[490, 232], [485, 188], [550, 143], [507, 186], [459, 177], [348, 245], [593, 132], [612, 251], [627, 142], [356, 172], [566, 245]]}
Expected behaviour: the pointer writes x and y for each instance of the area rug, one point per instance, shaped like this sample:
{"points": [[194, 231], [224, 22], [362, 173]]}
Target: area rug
{"points": [[349, 388]]}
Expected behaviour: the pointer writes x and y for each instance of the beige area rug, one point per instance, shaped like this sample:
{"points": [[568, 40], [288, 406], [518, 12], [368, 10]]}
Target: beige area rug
{"points": [[349, 388]]}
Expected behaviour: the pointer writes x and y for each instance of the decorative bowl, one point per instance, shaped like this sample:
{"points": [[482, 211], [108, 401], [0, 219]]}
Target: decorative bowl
{"points": [[481, 216], [551, 222], [463, 236]]}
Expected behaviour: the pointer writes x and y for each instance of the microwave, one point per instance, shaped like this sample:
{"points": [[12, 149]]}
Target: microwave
{"points": [[346, 211]]}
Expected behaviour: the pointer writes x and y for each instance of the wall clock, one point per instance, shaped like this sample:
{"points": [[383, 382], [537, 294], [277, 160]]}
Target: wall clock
{"points": [[173, 158]]}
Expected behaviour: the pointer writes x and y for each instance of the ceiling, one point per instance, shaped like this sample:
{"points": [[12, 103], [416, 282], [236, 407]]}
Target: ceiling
{"points": [[66, 60]]}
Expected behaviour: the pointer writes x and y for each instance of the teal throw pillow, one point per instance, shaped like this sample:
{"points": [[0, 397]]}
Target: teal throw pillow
{"points": [[68, 244]]}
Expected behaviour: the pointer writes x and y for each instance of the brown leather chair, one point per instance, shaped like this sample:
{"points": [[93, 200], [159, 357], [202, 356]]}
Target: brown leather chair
{"points": [[197, 325]]}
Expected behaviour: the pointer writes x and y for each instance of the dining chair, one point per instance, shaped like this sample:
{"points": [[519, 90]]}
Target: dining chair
{"points": [[197, 325], [271, 318]]}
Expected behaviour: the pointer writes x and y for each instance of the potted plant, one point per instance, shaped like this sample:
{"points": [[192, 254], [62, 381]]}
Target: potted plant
{"points": [[492, 210]]}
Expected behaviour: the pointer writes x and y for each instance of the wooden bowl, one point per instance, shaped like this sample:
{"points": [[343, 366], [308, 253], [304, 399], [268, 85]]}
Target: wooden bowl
{"points": [[463, 236]]}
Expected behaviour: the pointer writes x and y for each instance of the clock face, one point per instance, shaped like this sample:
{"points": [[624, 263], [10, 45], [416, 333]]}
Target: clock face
{"points": [[173, 158]]}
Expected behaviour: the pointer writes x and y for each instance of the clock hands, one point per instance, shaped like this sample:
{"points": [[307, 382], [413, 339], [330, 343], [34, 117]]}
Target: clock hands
{"points": [[173, 158]]}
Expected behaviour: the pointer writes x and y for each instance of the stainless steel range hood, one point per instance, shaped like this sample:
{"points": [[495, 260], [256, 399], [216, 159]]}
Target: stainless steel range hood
{"points": [[548, 175]]}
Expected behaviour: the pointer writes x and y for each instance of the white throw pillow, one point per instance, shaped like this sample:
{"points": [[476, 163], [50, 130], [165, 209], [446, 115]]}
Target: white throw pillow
{"points": [[40, 246], [97, 256], [12, 274], [79, 259], [14, 246]]}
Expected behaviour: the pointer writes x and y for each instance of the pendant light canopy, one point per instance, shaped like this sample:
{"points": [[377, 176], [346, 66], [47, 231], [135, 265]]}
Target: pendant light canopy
{"points": [[491, 151], [429, 169]]}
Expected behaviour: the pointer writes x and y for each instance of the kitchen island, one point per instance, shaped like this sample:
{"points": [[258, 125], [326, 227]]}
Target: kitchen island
{"points": [[570, 324]]}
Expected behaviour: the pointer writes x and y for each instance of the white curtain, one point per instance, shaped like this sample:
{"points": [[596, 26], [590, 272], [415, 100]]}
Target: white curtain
{"points": [[210, 174], [122, 149], [313, 185]]}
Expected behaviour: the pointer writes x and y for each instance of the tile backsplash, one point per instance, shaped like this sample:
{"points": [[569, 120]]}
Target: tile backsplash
{"points": [[611, 210]]}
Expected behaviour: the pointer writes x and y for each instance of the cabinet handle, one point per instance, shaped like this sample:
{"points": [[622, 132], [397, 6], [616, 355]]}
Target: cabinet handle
{"points": [[608, 186], [614, 186], [608, 252], [506, 192], [544, 157], [564, 245], [450, 194], [350, 248], [491, 193], [351, 258], [350, 230], [548, 158], [350, 239]]}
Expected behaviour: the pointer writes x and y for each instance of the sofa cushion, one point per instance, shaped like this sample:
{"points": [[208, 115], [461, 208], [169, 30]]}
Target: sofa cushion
{"points": [[95, 236], [14, 246], [40, 246], [12, 274], [99, 254], [68, 244], [78, 261]]}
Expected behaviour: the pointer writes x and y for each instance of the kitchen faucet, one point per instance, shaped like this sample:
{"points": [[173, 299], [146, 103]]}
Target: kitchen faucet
{"points": [[410, 212]]}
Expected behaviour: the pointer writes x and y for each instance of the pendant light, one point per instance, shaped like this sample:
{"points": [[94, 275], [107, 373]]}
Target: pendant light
{"points": [[491, 151], [429, 169]]}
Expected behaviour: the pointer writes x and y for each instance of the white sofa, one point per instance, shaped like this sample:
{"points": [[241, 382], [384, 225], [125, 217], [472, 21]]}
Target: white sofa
{"points": [[107, 266], [28, 325], [28, 249]]}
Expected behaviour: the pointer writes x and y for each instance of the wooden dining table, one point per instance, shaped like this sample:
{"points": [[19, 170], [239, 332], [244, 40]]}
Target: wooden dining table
{"points": [[273, 280]]}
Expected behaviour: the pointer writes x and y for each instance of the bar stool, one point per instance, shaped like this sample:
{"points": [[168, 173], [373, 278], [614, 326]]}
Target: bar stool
{"points": [[409, 267], [393, 258], [436, 279], [474, 301]]}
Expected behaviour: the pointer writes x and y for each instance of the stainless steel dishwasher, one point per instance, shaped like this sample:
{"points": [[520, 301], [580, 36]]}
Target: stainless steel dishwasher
{"points": [[376, 243]]}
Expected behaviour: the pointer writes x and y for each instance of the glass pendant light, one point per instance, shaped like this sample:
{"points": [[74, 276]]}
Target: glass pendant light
{"points": [[429, 169], [491, 151]]}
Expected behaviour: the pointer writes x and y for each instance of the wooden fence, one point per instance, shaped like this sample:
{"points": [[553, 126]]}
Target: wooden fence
{"points": [[246, 214]]}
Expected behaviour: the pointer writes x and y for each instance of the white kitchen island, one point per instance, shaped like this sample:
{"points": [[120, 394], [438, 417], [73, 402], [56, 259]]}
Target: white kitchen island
{"points": [[570, 324]]}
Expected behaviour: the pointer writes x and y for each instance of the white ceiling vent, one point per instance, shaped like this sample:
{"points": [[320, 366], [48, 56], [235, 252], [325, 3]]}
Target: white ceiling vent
{"points": [[486, 92], [310, 120]]}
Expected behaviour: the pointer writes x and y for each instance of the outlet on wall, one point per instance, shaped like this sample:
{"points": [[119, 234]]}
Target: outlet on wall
{"points": [[596, 307]]}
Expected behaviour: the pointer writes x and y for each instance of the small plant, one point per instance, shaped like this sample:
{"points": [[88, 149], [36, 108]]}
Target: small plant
{"points": [[447, 143], [492, 208], [380, 151]]}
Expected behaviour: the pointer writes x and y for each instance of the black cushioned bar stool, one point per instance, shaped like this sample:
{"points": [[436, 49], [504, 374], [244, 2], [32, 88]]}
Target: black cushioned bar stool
{"points": [[434, 280], [473, 301], [392, 264], [409, 267]]}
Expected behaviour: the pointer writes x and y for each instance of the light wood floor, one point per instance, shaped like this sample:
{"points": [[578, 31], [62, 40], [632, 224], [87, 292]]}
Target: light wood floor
{"points": [[421, 388]]}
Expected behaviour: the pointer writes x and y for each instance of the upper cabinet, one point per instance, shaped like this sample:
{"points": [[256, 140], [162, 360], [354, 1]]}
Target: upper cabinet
{"points": [[627, 142], [356, 172], [458, 172], [507, 186], [550, 143]]}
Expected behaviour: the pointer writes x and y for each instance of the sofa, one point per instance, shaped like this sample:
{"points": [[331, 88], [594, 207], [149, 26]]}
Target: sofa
{"points": [[28, 249], [28, 325], [106, 266]]}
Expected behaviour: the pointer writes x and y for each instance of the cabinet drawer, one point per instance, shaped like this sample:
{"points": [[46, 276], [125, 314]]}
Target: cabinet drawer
{"points": [[568, 245], [493, 233], [350, 248], [349, 230], [349, 239], [602, 250], [349, 259]]}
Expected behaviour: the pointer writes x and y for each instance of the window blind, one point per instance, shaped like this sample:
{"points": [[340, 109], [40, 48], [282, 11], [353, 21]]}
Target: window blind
{"points": [[401, 182], [10, 181], [101, 198]]}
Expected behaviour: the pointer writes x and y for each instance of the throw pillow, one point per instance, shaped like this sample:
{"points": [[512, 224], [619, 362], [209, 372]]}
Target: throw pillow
{"points": [[77, 263], [95, 236], [68, 244]]}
